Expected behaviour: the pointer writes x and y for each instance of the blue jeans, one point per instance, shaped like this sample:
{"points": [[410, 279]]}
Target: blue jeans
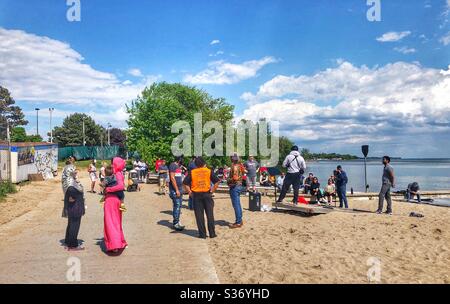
{"points": [[177, 203], [342, 194], [191, 203], [235, 194]]}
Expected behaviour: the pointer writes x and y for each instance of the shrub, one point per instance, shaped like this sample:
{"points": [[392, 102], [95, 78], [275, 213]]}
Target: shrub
{"points": [[6, 188]]}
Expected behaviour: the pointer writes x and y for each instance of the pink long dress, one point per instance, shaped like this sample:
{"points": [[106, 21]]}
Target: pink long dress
{"points": [[114, 238]]}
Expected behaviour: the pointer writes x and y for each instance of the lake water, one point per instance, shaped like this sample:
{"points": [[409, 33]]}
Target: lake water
{"points": [[431, 174]]}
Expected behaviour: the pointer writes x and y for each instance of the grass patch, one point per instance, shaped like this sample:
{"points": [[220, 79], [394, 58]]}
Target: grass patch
{"points": [[6, 188]]}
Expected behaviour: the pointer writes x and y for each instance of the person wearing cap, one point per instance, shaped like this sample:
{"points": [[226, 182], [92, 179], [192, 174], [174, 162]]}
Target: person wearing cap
{"points": [[198, 185], [234, 181], [296, 166]]}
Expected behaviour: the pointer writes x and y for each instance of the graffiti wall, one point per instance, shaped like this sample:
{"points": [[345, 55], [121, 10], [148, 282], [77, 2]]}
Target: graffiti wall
{"points": [[36, 159]]}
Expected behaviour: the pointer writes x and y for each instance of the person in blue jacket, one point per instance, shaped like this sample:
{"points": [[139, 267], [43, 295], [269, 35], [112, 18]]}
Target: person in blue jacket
{"points": [[341, 187]]}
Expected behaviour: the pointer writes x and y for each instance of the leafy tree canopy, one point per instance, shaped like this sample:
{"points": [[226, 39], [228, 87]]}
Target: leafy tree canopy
{"points": [[71, 131], [9, 112]]}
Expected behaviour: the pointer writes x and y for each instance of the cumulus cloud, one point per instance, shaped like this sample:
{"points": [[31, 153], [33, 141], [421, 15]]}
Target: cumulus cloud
{"points": [[135, 72], [40, 69], [393, 36], [445, 40], [346, 105], [405, 50], [216, 41], [222, 72]]}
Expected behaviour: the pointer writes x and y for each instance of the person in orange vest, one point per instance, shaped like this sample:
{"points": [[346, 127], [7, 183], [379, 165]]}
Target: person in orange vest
{"points": [[198, 185]]}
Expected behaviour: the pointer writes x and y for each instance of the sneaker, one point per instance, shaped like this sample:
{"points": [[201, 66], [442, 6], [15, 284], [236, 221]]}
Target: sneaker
{"points": [[378, 212], [213, 236], [388, 213], [178, 227]]}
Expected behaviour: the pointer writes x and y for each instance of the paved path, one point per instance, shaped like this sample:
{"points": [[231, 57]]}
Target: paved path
{"points": [[31, 251]]}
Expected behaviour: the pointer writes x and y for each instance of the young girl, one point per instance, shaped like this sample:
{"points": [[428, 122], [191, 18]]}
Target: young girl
{"points": [[92, 175]]}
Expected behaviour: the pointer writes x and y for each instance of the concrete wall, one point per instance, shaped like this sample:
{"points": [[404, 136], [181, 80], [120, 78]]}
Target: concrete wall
{"points": [[40, 159], [4, 164]]}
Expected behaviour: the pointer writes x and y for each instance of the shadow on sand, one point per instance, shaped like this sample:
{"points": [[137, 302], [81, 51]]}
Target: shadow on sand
{"points": [[101, 243], [168, 224]]}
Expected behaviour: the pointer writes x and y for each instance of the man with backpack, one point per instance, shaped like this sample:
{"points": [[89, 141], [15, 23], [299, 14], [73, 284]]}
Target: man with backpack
{"points": [[296, 166]]}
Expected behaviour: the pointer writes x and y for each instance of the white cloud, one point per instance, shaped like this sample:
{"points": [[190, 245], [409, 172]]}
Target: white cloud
{"points": [[405, 50], [445, 40], [40, 69], [393, 36], [218, 53], [216, 41], [349, 104], [135, 72], [222, 72]]}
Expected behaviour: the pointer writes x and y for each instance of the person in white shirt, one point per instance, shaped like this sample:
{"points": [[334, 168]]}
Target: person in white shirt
{"points": [[296, 166]]}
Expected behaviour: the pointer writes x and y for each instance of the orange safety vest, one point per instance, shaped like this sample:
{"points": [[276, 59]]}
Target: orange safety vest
{"points": [[201, 180]]}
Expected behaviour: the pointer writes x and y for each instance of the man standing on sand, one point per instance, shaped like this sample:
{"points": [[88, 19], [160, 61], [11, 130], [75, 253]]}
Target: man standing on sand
{"points": [[388, 183], [252, 167], [198, 184], [176, 191], [234, 181], [296, 166], [341, 187]]}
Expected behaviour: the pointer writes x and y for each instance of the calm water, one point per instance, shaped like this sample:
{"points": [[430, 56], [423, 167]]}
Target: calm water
{"points": [[430, 174]]}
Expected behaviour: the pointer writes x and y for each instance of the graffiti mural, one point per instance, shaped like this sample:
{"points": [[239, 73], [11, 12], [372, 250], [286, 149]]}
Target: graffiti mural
{"points": [[46, 162], [25, 156]]}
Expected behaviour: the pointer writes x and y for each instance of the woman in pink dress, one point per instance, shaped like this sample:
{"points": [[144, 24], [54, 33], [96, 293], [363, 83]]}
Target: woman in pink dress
{"points": [[114, 238]]}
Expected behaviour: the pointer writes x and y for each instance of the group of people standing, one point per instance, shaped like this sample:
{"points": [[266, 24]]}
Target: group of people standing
{"points": [[74, 206]]}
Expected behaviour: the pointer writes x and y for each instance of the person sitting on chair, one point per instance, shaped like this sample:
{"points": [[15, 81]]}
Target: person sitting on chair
{"points": [[315, 189], [413, 190], [264, 179]]}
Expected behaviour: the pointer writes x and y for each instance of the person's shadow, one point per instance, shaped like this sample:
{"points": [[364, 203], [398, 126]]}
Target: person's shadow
{"points": [[101, 243], [168, 224]]}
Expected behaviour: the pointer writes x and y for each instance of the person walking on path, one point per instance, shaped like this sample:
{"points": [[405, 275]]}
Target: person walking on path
{"points": [[252, 167], [162, 177], [198, 184], [234, 182], [176, 191], [388, 181], [341, 187], [296, 166], [92, 175], [73, 210], [113, 231]]}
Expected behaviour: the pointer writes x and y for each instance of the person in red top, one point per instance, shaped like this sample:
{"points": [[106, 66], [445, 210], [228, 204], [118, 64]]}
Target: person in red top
{"points": [[158, 163]]}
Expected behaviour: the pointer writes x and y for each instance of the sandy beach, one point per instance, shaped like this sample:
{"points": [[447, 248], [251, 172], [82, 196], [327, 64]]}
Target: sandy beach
{"points": [[272, 247]]}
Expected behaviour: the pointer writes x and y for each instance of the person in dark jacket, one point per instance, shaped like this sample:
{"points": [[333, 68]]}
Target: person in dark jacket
{"points": [[341, 187], [73, 209]]}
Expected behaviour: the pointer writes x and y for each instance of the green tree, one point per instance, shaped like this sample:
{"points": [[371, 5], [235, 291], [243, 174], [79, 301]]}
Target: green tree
{"points": [[18, 134], [9, 112], [161, 105], [71, 131]]}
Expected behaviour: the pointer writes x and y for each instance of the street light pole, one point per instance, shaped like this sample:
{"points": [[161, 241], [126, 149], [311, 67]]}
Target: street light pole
{"points": [[84, 140], [51, 129], [109, 134], [37, 120]]}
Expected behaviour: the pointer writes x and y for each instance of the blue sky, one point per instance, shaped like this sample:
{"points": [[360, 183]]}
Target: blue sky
{"points": [[332, 78]]}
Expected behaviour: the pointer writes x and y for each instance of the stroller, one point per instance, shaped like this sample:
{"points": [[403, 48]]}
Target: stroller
{"points": [[133, 181]]}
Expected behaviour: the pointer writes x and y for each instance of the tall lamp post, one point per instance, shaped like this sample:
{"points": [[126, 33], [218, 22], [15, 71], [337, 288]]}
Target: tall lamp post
{"points": [[37, 120], [365, 151], [51, 129], [109, 134]]}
